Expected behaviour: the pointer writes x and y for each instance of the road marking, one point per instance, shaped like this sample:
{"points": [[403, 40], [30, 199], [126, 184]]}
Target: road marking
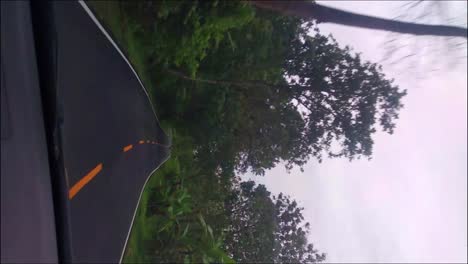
{"points": [[127, 148], [88, 177], [136, 207], [81, 183]]}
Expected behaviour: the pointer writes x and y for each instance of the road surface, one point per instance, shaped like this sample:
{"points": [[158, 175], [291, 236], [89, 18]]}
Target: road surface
{"points": [[111, 137]]}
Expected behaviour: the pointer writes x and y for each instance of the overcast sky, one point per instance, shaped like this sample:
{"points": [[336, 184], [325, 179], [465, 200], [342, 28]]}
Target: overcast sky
{"points": [[409, 203]]}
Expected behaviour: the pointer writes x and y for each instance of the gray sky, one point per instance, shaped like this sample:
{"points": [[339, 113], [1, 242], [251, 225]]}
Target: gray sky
{"points": [[409, 203]]}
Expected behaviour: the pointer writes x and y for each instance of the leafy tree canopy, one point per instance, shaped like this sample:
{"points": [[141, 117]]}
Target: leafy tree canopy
{"points": [[282, 91], [270, 229]]}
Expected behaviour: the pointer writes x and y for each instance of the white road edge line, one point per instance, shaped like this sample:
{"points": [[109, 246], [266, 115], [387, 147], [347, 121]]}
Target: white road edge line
{"points": [[136, 208], [96, 21]]}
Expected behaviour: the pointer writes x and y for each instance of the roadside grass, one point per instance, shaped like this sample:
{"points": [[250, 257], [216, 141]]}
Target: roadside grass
{"points": [[142, 230], [134, 251]]}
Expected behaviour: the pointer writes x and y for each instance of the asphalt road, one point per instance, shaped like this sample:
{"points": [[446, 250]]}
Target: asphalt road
{"points": [[111, 137]]}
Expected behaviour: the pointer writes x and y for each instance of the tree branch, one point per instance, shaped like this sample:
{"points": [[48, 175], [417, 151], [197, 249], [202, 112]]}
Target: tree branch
{"points": [[247, 83]]}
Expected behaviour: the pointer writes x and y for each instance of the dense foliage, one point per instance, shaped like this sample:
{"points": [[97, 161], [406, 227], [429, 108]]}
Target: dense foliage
{"points": [[281, 94], [262, 228], [242, 90]]}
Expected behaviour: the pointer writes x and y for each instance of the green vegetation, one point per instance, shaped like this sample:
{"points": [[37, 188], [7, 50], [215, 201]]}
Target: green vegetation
{"points": [[241, 90]]}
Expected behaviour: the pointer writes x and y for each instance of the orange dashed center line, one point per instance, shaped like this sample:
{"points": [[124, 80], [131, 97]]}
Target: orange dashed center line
{"points": [[88, 177], [127, 148], [83, 181]]}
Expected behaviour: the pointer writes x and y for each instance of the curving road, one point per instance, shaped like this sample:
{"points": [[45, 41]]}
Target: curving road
{"points": [[111, 138]]}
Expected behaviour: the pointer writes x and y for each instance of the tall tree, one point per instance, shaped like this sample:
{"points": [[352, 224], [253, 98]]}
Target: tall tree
{"points": [[310, 10], [267, 229], [251, 228], [296, 95], [291, 236], [345, 96]]}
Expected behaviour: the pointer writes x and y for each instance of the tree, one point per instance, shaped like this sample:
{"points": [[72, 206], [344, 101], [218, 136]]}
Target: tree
{"points": [[344, 96], [266, 229], [295, 96], [291, 237], [310, 10], [250, 235]]}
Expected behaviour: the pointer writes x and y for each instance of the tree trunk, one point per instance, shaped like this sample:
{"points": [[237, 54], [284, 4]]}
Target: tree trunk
{"points": [[186, 77], [241, 84], [322, 14]]}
